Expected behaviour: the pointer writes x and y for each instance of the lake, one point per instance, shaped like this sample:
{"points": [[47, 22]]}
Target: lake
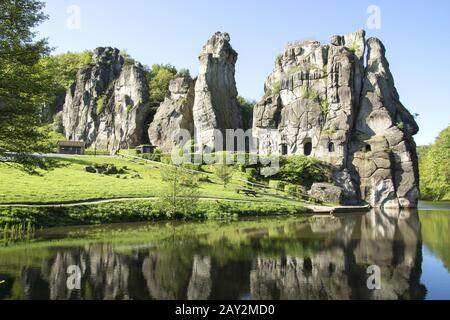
{"points": [[400, 254]]}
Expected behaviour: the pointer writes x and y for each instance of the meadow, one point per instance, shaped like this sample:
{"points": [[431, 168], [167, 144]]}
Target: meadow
{"points": [[69, 182]]}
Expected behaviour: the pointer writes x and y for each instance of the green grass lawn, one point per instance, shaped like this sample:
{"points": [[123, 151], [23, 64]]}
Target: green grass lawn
{"points": [[70, 182]]}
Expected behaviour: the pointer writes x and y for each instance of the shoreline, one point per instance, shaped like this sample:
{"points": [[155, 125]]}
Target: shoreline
{"points": [[145, 210]]}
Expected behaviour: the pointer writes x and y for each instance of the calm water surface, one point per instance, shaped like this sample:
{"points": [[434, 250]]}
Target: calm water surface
{"points": [[284, 258]]}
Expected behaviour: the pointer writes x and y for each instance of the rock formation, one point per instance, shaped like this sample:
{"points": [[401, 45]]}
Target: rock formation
{"points": [[173, 114], [383, 151], [321, 100], [108, 105], [216, 105]]}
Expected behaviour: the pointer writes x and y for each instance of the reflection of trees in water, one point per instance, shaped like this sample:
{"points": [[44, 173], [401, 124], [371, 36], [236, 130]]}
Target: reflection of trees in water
{"points": [[326, 258], [435, 233]]}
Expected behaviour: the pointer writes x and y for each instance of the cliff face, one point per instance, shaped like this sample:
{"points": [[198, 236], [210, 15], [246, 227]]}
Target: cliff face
{"points": [[216, 105], [336, 102], [108, 105], [173, 114], [321, 100]]}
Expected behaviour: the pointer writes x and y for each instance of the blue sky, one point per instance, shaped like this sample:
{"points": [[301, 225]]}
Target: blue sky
{"points": [[415, 33]]}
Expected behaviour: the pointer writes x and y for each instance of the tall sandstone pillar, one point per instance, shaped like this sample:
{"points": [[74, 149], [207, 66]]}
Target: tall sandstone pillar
{"points": [[216, 105]]}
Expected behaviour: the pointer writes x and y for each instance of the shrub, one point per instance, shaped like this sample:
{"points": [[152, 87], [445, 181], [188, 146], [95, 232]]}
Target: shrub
{"points": [[281, 185], [155, 156], [58, 125], [279, 58], [183, 73], [303, 170], [276, 87], [325, 106], [252, 174], [100, 105], [400, 125]]}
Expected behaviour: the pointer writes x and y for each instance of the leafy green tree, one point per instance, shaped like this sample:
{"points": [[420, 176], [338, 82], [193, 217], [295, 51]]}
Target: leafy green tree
{"points": [[180, 196], [224, 172], [63, 68], [24, 85], [160, 76], [183, 73], [303, 170], [247, 111], [434, 165], [128, 59]]}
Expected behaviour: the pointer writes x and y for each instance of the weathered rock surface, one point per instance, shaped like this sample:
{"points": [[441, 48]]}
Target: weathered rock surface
{"points": [[174, 114], [49, 110], [108, 105], [384, 153], [326, 192], [216, 105], [321, 100]]}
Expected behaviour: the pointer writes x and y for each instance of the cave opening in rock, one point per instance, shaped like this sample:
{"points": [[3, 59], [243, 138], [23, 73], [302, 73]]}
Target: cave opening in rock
{"points": [[331, 147], [368, 148], [307, 148], [284, 149]]}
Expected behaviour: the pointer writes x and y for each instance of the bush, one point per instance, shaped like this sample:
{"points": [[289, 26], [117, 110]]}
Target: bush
{"points": [[58, 125], [281, 185], [100, 105], [252, 174], [155, 156], [276, 88], [305, 171]]}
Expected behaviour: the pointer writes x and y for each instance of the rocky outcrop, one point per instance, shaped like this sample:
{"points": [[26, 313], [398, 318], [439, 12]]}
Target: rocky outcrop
{"points": [[108, 105], [384, 153], [326, 192], [322, 101], [50, 109], [216, 105], [174, 114]]}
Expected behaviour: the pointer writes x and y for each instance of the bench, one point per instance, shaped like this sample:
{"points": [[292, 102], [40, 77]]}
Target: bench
{"points": [[247, 192]]}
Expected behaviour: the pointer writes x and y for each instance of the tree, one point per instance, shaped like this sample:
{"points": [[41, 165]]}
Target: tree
{"points": [[224, 172], [63, 68], [24, 86], [160, 76], [247, 111], [180, 196], [434, 165], [303, 170]]}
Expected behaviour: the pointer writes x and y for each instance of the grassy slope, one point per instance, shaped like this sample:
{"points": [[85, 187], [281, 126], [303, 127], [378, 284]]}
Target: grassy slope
{"points": [[70, 182]]}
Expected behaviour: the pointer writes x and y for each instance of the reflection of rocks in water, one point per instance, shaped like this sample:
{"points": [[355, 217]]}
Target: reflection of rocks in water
{"points": [[34, 287], [108, 272], [167, 275], [389, 240], [325, 258], [104, 275], [320, 277], [200, 283]]}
